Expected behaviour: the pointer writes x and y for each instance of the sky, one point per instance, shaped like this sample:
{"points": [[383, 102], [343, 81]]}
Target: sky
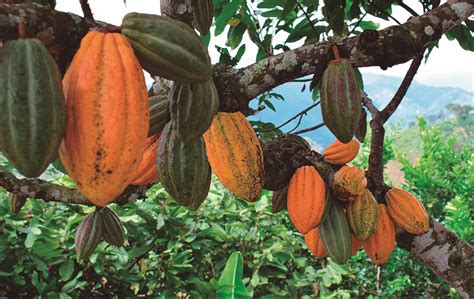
{"points": [[449, 65]]}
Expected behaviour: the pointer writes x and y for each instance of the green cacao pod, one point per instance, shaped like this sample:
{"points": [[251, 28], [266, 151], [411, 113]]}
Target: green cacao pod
{"points": [[202, 15], [192, 108], [341, 99], [183, 168], [363, 214], [16, 202], [159, 114], [279, 200], [361, 130], [88, 235], [336, 235], [167, 48], [32, 106], [112, 229]]}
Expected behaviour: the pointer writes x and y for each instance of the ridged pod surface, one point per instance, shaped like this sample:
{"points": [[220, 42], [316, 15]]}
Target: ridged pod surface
{"points": [[147, 172], [107, 123], [167, 48], [381, 244], [407, 211], [362, 127], [33, 113], [112, 229], [193, 107], [159, 114], [338, 153], [183, 168], [314, 243], [363, 215], [279, 200], [235, 154], [341, 99], [306, 199], [15, 202], [349, 182], [88, 235], [336, 235], [202, 15]]}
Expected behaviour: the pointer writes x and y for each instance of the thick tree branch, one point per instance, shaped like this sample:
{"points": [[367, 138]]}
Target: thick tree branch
{"points": [[86, 9]]}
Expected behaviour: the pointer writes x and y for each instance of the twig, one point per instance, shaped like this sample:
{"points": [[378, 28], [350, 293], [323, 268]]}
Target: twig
{"points": [[384, 13], [310, 129], [375, 169], [407, 8], [357, 24], [86, 9], [297, 125], [309, 19], [302, 80], [291, 119], [402, 90], [379, 278]]}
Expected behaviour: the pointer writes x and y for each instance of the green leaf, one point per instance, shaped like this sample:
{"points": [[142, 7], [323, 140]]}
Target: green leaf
{"points": [[66, 270], [230, 283], [227, 13]]}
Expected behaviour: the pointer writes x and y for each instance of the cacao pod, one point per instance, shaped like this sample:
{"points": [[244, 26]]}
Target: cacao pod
{"points": [[235, 154], [314, 243], [279, 200], [381, 244], [59, 165], [341, 99], [88, 235], [349, 182], [147, 172], [183, 168], [112, 228], [16, 202], [306, 199], [407, 211], [356, 245], [362, 127], [107, 122], [33, 113], [159, 114], [167, 48], [193, 107], [282, 156], [336, 235], [363, 215], [338, 153], [202, 15]]}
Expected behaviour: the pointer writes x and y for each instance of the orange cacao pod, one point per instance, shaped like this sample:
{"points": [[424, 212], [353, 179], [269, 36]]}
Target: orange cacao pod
{"points": [[107, 123], [363, 214], [235, 154], [381, 244], [349, 182], [407, 211], [306, 199], [338, 153], [314, 243], [356, 245], [147, 172]]}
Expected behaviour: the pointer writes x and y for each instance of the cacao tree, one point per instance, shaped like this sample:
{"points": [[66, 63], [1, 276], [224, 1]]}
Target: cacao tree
{"points": [[194, 116]]}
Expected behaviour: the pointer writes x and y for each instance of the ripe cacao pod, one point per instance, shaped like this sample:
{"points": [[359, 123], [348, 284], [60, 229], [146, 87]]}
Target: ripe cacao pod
{"points": [[336, 235], [202, 15], [306, 199], [159, 114], [235, 154], [88, 235], [407, 211], [314, 243], [167, 48], [282, 156], [349, 182], [16, 202], [147, 172], [363, 215], [193, 107], [362, 127], [356, 245], [381, 244], [279, 200], [33, 113], [338, 153], [183, 168], [107, 122], [341, 99], [112, 228]]}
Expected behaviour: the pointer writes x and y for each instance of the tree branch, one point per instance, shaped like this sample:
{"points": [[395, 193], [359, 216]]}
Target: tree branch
{"points": [[86, 9]]}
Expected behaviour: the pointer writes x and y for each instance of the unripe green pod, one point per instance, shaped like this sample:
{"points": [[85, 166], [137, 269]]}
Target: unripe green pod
{"points": [[88, 235], [113, 230]]}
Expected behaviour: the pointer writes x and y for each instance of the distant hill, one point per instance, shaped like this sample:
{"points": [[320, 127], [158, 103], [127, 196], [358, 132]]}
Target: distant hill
{"points": [[421, 100]]}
